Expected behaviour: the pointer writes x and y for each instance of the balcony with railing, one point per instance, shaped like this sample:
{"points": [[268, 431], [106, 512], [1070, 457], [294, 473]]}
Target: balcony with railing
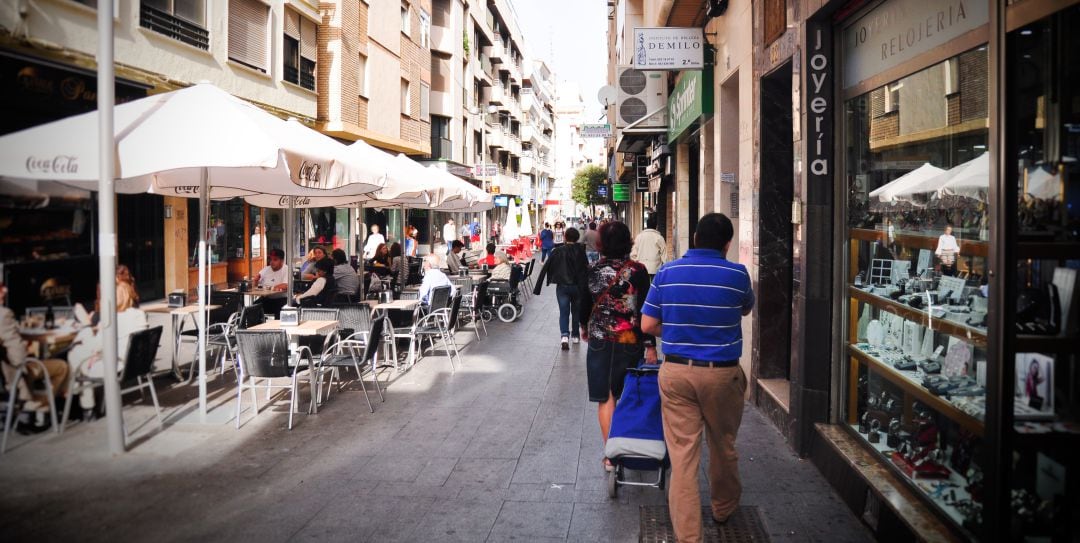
{"points": [[174, 27], [494, 95], [445, 40], [442, 148], [495, 136]]}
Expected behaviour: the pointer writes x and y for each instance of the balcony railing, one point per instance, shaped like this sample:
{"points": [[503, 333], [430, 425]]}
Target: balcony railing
{"points": [[442, 148], [174, 27]]}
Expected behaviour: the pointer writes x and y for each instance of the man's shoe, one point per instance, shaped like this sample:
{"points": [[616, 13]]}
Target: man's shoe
{"points": [[719, 522], [576, 340], [565, 343]]}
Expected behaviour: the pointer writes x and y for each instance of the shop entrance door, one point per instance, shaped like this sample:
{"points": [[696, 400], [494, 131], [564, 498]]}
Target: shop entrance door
{"points": [[774, 227]]}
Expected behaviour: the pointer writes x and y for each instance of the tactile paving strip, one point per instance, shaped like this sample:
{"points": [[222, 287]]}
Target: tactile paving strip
{"points": [[744, 526]]}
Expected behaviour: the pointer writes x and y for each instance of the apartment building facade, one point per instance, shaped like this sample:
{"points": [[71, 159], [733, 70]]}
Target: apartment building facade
{"points": [[573, 151], [355, 70]]}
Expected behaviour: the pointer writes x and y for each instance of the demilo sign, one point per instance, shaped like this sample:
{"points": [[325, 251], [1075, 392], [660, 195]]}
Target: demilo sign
{"points": [[692, 98]]}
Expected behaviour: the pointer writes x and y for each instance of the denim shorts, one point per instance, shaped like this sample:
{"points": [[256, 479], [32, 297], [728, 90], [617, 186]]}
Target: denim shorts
{"points": [[606, 365]]}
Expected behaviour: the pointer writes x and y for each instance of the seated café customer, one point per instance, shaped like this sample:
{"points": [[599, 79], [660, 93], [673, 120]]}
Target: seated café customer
{"points": [[123, 275], [490, 259], [85, 354], [399, 264], [13, 355], [345, 277], [381, 261], [322, 290], [501, 271], [274, 277], [433, 277], [307, 269], [453, 260]]}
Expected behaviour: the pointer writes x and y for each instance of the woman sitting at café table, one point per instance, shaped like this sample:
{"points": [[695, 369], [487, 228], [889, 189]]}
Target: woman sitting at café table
{"points": [[381, 261], [322, 290], [307, 269], [501, 272], [85, 354]]}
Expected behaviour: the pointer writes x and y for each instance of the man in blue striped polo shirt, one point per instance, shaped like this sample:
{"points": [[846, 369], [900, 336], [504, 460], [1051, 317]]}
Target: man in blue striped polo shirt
{"points": [[695, 307]]}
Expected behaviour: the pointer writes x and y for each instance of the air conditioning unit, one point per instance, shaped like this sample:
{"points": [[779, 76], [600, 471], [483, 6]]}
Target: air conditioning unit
{"points": [[640, 93]]}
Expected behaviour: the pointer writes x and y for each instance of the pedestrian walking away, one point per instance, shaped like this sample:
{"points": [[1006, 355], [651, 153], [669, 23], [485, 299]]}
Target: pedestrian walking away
{"points": [[590, 240], [547, 242], [695, 307], [610, 322], [567, 269], [649, 247]]}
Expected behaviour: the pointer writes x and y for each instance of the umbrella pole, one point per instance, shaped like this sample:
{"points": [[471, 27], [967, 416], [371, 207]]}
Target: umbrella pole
{"points": [[204, 205], [290, 213], [106, 99], [363, 236]]}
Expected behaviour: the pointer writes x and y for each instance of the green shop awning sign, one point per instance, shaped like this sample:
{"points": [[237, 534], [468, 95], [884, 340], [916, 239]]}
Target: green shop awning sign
{"points": [[691, 99]]}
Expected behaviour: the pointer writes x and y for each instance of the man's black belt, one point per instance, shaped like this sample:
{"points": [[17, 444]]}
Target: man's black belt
{"points": [[675, 359]]}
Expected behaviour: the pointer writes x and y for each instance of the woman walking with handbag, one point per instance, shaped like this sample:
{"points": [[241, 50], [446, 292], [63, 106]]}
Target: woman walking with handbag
{"points": [[611, 321]]}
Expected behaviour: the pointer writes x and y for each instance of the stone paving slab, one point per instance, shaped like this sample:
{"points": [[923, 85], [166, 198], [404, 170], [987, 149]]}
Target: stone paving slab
{"points": [[507, 448]]}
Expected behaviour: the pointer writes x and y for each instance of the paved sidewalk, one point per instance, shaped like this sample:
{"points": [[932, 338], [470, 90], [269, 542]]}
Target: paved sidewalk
{"points": [[507, 448]]}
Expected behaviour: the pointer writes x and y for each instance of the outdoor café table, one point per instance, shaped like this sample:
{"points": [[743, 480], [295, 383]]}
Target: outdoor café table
{"points": [[45, 338], [306, 328], [178, 314], [250, 295]]}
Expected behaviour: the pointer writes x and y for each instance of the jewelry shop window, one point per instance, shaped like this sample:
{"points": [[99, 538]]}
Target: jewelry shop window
{"points": [[917, 238]]}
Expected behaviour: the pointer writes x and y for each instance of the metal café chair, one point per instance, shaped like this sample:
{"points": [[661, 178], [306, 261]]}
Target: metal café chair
{"points": [[432, 326], [138, 365], [357, 352], [13, 393], [249, 316], [265, 354]]}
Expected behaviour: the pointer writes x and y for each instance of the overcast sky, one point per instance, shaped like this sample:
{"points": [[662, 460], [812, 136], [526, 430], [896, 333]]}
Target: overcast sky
{"points": [[571, 35]]}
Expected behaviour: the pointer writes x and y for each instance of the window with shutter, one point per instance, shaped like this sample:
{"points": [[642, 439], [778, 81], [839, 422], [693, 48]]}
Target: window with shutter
{"points": [[425, 102], [248, 33], [300, 49], [406, 102]]}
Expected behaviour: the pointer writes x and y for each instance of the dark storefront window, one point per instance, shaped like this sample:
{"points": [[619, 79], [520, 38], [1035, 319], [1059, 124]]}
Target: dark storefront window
{"points": [[917, 239], [1042, 181], [216, 238]]}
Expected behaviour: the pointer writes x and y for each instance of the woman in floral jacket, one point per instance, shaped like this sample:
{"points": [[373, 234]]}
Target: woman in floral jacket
{"points": [[611, 321]]}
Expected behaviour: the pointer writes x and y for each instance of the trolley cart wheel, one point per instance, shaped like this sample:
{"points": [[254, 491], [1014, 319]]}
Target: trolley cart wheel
{"points": [[507, 312], [663, 478], [613, 483]]}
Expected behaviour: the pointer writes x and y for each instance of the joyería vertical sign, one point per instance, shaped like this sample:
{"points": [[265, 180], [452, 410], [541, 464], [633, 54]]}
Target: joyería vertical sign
{"points": [[819, 96]]}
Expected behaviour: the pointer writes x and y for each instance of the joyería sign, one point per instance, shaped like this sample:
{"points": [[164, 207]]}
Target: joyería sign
{"points": [[669, 48]]}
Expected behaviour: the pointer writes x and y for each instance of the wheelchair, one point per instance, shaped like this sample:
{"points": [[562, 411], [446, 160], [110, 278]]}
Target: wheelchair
{"points": [[504, 298]]}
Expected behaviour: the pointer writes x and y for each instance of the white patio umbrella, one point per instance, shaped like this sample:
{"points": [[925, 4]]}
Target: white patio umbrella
{"points": [[187, 141], [888, 192], [526, 221], [970, 179], [510, 229]]}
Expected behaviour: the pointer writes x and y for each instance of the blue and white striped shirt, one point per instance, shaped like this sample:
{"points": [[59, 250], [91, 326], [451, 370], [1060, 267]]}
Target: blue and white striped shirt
{"points": [[699, 299]]}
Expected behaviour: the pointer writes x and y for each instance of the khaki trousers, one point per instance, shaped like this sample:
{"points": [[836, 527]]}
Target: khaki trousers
{"points": [[696, 400]]}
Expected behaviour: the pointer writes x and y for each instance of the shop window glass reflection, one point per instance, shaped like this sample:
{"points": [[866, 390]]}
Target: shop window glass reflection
{"points": [[918, 178]]}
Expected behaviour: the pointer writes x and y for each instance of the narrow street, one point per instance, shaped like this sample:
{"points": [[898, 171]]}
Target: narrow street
{"points": [[507, 448]]}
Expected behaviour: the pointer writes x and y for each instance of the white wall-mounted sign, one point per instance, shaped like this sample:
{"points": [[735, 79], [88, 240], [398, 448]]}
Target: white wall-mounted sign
{"points": [[669, 48], [899, 30], [596, 130]]}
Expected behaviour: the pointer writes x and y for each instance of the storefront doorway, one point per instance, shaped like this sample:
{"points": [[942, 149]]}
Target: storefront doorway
{"points": [[774, 226]]}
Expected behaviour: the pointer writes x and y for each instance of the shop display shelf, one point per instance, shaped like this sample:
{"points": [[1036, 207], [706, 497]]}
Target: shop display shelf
{"points": [[907, 381], [944, 325], [968, 247], [923, 486]]}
